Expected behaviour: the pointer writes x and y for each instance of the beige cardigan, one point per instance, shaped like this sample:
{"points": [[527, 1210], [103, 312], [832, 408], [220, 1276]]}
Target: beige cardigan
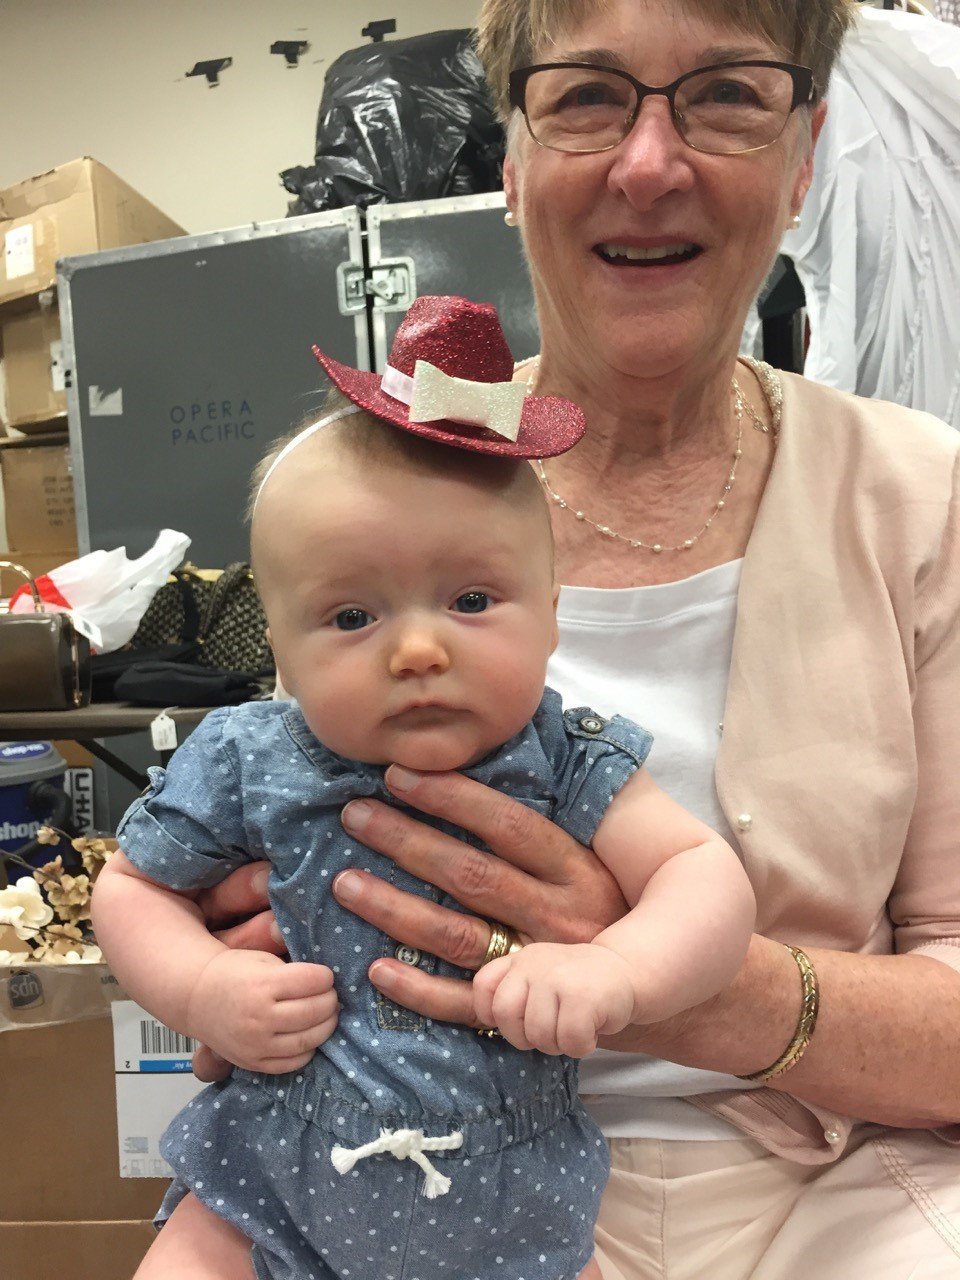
{"points": [[841, 737]]}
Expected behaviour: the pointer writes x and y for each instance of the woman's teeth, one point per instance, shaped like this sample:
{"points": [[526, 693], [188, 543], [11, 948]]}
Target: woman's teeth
{"points": [[661, 254]]}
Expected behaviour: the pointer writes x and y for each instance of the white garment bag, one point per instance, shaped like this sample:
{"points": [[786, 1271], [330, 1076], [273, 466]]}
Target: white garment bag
{"points": [[878, 248]]}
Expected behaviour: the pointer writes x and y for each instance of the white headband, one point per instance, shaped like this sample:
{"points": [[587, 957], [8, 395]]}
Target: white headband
{"points": [[298, 440], [433, 395]]}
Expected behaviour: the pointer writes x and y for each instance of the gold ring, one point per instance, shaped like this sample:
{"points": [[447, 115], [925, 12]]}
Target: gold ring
{"points": [[503, 942]]}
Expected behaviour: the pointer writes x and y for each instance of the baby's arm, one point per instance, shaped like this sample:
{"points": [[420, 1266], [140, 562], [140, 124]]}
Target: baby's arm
{"points": [[693, 910], [250, 1007], [685, 937]]}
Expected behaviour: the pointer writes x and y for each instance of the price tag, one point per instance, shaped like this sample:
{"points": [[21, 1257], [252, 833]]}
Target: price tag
{"points": [[163, 733], [88, 629]]}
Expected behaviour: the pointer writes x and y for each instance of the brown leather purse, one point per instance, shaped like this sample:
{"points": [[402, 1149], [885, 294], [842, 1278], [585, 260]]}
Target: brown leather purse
{"points": [[44, 660]]}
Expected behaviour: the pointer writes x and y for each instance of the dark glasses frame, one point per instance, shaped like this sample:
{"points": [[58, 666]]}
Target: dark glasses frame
{"points": [[804, 94]]}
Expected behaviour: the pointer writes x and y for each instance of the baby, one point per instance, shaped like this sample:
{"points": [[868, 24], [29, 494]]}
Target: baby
{"points": [[403, 551]]}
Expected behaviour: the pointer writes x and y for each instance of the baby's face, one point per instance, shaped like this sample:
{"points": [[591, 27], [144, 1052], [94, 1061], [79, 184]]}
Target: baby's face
{"points": [[411, 617]]}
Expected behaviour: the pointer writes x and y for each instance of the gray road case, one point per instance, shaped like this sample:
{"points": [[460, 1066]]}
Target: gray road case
{"points": [[185, 359], [460, 245]]}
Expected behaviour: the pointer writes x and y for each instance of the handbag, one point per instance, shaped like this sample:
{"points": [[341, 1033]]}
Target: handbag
{"points": [[222, 616], [44, 660], [172, 617], [233, 626]]}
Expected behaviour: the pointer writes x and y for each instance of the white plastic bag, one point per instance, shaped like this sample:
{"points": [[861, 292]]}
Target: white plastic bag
{"points": [[107, 593]]}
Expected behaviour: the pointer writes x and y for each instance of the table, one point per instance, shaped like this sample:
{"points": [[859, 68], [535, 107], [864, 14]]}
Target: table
{"points": [[88, 724]]}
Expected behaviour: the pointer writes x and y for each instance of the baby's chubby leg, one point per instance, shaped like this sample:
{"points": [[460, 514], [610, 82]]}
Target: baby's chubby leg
{"points": [[590, 1272], [195, 1244]]}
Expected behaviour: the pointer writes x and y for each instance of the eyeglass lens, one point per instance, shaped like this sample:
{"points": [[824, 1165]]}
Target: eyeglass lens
{"points": [[719, 110]]}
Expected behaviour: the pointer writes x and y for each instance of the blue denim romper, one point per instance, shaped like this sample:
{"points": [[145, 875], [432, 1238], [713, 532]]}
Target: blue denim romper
{"points": [[281, 1156]]}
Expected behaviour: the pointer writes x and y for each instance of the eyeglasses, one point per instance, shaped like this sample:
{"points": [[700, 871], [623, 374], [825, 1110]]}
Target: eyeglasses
{"points": [[721, 110]]}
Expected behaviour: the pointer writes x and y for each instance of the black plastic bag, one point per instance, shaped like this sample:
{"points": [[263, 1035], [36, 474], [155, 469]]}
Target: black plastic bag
{"points": [[402, 120]]}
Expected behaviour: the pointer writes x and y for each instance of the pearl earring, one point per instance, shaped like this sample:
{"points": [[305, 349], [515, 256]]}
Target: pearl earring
{"points": [[795, 220], [510, 218]]}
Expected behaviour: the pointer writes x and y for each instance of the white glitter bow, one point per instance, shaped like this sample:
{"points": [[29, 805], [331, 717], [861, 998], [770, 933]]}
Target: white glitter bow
{"points": [[433, 394], [403, 1144]]}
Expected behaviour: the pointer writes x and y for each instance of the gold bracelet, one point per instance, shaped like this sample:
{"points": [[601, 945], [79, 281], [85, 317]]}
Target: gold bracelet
{"points": [[795, 1050]]}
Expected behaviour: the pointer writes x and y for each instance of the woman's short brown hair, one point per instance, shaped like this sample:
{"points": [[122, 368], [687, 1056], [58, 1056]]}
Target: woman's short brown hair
{"points": [[512, 33]]}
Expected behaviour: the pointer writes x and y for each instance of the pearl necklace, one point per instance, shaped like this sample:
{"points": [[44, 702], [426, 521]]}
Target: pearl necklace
{"points": [[740, 403]]}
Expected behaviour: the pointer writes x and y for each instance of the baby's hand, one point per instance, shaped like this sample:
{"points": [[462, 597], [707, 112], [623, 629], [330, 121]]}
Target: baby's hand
{"points": [[261, 1013], [555, 997]]}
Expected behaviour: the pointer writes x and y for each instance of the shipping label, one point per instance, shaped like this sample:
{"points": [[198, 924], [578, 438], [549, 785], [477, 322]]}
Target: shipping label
{"points": [[18, 252], [154, 1081]]}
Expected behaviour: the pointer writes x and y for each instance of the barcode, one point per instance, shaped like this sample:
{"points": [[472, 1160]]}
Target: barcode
{"points": [[156, 1038]]}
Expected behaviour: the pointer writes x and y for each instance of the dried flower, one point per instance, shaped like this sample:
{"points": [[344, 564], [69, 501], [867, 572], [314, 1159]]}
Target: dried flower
{"points": [[49, 872], [23, 907], [93, 852], [64, 932], [68, 895], [14, 957], [65, 898]]}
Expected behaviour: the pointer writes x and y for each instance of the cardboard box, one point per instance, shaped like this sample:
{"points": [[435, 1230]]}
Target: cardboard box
{"points": [[76, 208], [80, 1250], [64, 1208], [38, 493], [35, 562], [76, 756], [58, 1141], [35, 397]]}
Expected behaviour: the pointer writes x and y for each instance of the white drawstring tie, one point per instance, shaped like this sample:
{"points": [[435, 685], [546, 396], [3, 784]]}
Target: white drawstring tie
{"points": [[403, 1144]]}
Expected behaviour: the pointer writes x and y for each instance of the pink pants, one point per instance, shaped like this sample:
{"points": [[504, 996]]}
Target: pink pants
{"points": [[889, 1209]]}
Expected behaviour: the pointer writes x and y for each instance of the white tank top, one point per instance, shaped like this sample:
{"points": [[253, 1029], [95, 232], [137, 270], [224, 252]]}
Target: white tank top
{"points": [[661, 656]]}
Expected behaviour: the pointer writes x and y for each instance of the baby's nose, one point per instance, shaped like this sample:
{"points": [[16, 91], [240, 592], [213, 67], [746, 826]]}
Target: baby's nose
{"points": [[419, 651]]}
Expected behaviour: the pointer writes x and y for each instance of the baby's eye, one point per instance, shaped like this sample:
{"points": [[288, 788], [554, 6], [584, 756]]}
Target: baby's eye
{"points": [[352, 619], [471, 602]]}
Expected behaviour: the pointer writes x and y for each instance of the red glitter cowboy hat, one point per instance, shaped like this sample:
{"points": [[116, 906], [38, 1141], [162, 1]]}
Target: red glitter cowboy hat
{"points": [[450, 378]]}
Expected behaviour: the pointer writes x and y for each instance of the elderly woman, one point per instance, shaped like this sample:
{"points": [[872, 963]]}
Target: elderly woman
{"points": [[767, 573]]}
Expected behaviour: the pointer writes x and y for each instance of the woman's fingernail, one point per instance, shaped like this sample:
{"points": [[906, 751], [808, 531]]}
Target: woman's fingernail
{"points": [[401, 779], [347, 886], [258, 883], [356, 815], [380, 976]]}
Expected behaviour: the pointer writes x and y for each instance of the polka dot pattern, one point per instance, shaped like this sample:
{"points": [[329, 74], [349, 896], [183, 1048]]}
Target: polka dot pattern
{"points": [[523, 1211]]}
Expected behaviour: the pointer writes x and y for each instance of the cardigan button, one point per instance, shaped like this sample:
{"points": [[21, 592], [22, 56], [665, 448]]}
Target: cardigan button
{"points": [[745, 821]]}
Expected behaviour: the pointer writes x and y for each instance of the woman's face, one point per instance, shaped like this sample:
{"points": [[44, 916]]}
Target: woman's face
{"points": [[650, 192]]}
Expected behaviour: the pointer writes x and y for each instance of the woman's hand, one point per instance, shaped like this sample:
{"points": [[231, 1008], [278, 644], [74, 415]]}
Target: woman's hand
{"points": [[537, 880], [238, 913]]}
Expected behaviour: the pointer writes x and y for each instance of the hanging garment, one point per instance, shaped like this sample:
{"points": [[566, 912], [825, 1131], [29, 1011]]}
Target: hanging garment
{"points": [[878, 247]]}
